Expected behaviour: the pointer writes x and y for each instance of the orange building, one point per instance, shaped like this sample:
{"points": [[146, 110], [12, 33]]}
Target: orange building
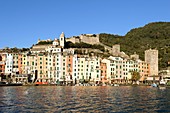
{"points": [[143, 70], [20, 63], [69, 67], [103, 72]]}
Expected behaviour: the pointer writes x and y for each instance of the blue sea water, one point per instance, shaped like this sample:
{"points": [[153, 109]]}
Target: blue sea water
{"points": [[72, 99]]}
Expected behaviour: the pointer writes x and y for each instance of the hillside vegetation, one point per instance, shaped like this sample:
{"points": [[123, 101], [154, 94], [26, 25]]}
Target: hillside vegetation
{"points": [[153, 35]]}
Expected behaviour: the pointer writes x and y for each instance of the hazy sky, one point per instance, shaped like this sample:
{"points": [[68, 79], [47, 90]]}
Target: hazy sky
{"points": [[22, 22]]}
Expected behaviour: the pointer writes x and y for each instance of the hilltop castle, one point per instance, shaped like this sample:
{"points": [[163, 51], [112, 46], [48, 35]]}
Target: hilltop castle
{"points": [[86, 38]]}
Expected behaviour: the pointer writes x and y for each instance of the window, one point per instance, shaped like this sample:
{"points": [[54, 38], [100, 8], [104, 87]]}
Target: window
{"points": [[40, 72]]}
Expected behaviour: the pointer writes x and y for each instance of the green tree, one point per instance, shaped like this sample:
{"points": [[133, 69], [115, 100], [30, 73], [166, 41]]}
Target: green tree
{"points": [[135, 76]]}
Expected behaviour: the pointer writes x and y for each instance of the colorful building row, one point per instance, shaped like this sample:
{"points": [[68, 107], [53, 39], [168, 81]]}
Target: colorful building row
{"points": [[55, 64]]}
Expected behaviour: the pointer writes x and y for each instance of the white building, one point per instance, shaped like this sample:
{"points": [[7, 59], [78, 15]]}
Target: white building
{"points": [[9, 63]]}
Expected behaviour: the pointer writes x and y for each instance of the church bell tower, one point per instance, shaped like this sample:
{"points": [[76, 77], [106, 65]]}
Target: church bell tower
{"points": [[62, 39]]}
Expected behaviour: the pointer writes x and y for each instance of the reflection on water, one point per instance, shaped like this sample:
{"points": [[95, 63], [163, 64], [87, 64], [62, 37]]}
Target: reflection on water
{"points": [[84, 99]]}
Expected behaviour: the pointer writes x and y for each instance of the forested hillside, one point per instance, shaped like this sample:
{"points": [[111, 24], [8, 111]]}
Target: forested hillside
{"points": [[153, 35]]}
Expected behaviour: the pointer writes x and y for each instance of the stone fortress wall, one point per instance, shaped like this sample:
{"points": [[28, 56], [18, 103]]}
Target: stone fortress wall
{"points": [[86, 38]]}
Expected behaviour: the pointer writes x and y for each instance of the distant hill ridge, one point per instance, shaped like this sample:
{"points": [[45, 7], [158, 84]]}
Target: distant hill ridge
{"points": [[153, 35]]}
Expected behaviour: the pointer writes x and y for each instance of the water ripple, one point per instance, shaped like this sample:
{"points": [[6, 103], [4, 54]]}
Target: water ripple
{"points": [[72, 99]]}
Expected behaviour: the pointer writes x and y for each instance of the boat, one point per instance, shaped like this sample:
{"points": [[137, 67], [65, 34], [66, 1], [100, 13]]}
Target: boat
{"points": [[41, 84], [162, 82], [154, 85], [116, 85]]}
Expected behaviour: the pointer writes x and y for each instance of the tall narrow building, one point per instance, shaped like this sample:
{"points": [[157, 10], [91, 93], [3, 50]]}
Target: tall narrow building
{"points": [[62, 39], [151, 57]]}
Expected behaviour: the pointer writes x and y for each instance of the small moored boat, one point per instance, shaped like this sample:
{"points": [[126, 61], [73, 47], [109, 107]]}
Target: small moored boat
{"points": [[154, 85]]}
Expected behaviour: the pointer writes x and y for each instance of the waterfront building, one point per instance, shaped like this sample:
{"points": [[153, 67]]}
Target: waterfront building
{"points": [[15, 63], [92, 69], [9, 63], [75, 76], [89, 69], [119, 69], [81, 69], [103, 68], [42, 75], [143, 70], [20, 63], [2, 63], [69, 68], [54, 63], [109, 70]]}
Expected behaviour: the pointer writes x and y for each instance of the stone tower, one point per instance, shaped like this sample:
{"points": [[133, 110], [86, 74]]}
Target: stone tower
{"points": [[62, 39], [116, 49], [151, 57]]}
